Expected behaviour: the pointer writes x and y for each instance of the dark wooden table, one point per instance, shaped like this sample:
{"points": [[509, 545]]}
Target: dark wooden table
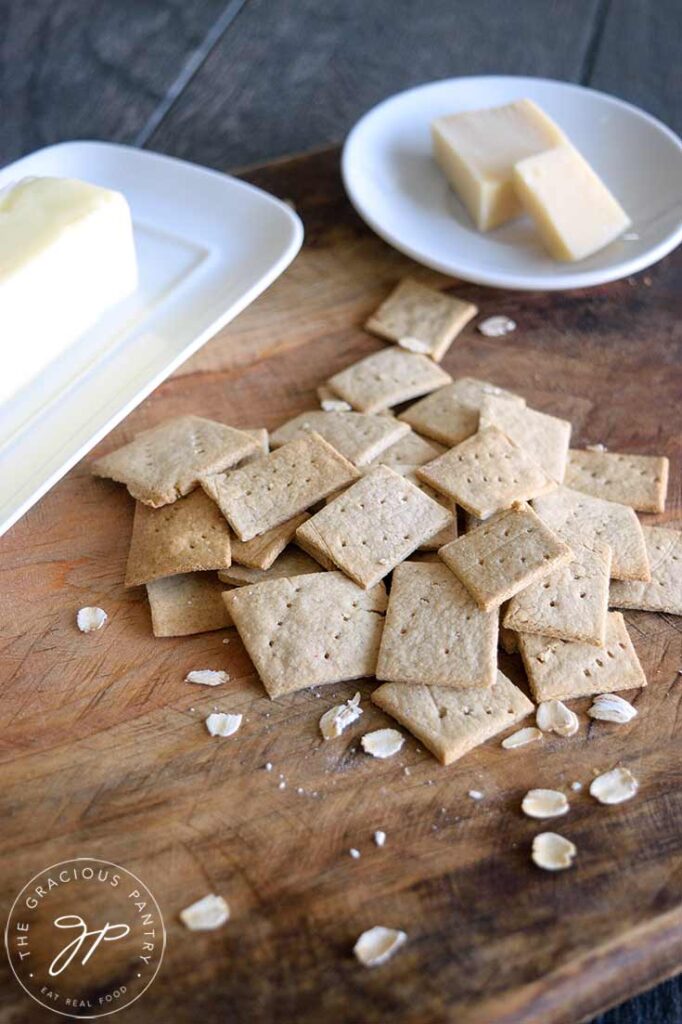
{"points": [[232, 83]]}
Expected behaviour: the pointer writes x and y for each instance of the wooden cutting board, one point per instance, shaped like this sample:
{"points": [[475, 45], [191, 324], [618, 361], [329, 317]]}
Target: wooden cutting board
{"points": [[104, 752]]}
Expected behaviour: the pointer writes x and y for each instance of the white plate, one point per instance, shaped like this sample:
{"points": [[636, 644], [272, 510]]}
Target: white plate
{"points": [[397, 188], [207, 246]]}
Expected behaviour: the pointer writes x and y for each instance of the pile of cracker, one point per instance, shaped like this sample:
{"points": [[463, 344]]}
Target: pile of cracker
{"points": [[333, 545]]}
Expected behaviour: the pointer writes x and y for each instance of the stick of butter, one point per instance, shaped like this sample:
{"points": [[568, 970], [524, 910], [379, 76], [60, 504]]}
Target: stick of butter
{"points": [[574, 212], [66, 255], [477, 151]]}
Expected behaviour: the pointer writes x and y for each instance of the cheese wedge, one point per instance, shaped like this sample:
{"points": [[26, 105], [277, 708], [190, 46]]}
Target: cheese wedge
{"points": [[477, 151], [66, 255], [574, 212]]}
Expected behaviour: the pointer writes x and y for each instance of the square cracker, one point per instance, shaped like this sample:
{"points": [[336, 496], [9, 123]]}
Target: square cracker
{"points": [[410, 451], [451, 722], [434, 631], [373, 525], [186, 604], [486, 473], [545, 438], [189, 535], [387, 378], [580, 518], [449, 532], [451, 414], [274, 489], [501, 557], [308, 630], [560, 670], [359, 437], [570, 603], [640, 481], [162, 464], [262, 551], [292, 562], [417, 313], [663, 593]]}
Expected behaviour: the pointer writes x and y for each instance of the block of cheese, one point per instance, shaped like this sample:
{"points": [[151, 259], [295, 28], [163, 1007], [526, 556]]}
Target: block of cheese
{"points": [[477, 151], [66, 255], [574, 212]]}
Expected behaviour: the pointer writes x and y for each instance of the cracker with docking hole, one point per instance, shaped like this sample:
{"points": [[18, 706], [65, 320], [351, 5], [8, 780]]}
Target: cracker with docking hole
{"points": [[545, 438], [387, 378], [188, 536], [501, 557], [414, 312], [451, 722], [582, 519], [186, 604], [571, 603], [410, 451], [309, 630], [663, 592], [373, 525], [562, 670], [279, 486], [164, 463], [451, 414], [640, 481], [449, 532], [434, 632], [262, 552], [359, 437], [486, 473], [292, 562]]}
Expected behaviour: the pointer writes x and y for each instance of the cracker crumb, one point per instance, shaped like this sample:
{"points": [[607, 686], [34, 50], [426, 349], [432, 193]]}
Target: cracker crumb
{"points": [[207, 677], [282, 785], [379, 837], [226, 640], [90, 619], [219, 724], [406, 771], [553, 852], [475, 794], [382, 742], [268, 766], [378, 944], [206, 914], [497, 326], [576, 786], [355, 854], [598, 447]]}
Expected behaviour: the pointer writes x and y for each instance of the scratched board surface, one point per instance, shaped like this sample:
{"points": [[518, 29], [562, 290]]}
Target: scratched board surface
{"points": [[104, 752]]}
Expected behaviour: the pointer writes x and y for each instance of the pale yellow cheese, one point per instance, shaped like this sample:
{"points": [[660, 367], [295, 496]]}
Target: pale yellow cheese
{"points": [[477, 151], [574, 212]]}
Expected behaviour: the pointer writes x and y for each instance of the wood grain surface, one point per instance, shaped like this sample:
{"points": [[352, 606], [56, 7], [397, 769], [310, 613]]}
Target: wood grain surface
{"points": [[103, 751]]}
